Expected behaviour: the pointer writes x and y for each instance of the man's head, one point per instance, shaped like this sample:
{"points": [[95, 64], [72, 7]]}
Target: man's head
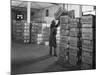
{"points": [[53, 21]]}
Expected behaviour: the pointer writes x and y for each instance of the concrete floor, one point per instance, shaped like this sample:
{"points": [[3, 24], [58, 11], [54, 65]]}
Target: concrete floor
{"points": [[30, 58]]}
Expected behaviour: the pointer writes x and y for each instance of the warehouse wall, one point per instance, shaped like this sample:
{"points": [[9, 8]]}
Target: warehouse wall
{"points": [[52, 10], [34, 13], [37, 15], [14, 12], [41, 14]]}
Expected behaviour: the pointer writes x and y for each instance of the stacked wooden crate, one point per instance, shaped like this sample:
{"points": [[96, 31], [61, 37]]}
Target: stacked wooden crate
{"points": [[45, 33], [13, 29], [18, 30], [73, 42], [39, 33], [64, 39], [88, 41], [35, 30], [26, 32]]}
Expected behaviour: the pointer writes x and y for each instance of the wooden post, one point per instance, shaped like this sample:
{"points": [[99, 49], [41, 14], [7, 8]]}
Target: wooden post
{"points": [[28, 12], [28, 18], [80, 11]]}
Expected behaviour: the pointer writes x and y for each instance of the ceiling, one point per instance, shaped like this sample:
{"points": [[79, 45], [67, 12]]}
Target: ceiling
{"points": [[37, 5]]}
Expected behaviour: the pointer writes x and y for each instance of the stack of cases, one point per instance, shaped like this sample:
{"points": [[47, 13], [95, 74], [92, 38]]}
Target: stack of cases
{"points": [[18, 31], [45, 34], [36, 29], [14, 29], [26, 32], [39, 38], [88, 41], [64, 39], [73, 42]]}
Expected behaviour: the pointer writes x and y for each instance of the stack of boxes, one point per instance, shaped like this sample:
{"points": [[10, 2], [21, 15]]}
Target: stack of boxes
{"points": [[18, 30], [73, 42], [39, 34], [69, 39], [64, 39], [88, 41], [35, 30], [45, 34], [26, 32], [77, 41], [13, 29]]}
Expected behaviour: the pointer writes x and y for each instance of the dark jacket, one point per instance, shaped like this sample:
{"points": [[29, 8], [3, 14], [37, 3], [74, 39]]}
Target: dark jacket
{"points": [[53, 32]]}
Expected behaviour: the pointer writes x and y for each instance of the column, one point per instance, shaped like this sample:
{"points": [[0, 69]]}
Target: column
{"points": [[27, 25], [28, 12], [80, 11]]}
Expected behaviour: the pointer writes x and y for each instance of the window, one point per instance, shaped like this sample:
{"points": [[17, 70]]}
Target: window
{"points": [[47, 12]]}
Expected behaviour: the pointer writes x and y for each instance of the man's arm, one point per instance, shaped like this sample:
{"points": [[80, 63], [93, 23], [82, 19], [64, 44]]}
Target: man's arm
{"points": [[58, 24]]}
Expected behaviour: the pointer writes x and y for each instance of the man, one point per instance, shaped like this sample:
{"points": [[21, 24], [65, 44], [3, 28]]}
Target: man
{"points": [[52, 37]]}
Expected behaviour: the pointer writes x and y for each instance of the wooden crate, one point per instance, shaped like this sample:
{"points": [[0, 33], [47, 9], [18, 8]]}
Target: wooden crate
{"points": [[74, 32], [73, 52], [73, 25], [87, 53], [64, 19], [87, 44], [58, 13], [85, 66], [87, 19], [74, 29], [73, 47], [73, 59], [87, 49], [87, 59], [73, 21], [87, 33], [85, 25], [73, 41], [64, 38], [62, 51], [64, 32], [64, 26]]}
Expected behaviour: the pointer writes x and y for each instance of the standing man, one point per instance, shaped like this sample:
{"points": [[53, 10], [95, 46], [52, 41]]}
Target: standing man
{"points": [[52, 37]]}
